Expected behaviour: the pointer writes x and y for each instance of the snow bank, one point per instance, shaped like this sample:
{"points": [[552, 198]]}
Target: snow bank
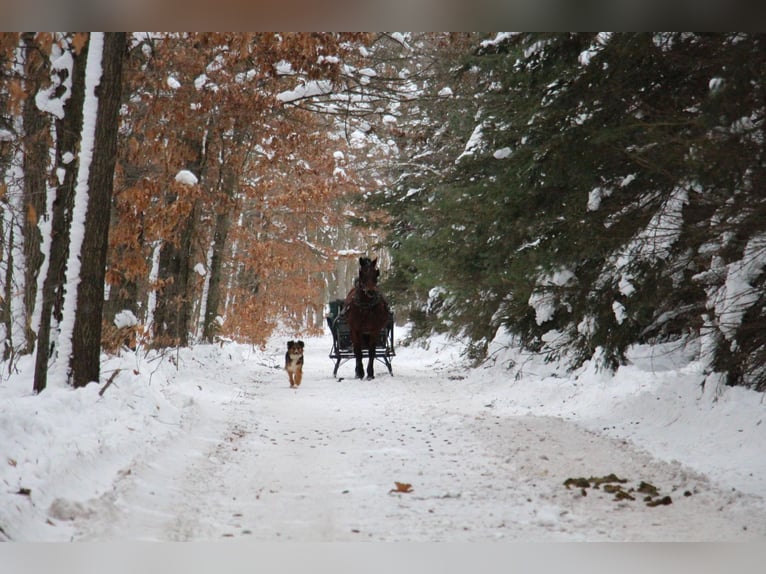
{"points": [[656, 402], [67, 444]]}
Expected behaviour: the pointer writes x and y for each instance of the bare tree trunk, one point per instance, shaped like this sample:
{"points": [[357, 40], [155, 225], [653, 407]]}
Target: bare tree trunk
{"points": [[220, 236], [6, 156], [164, 320], [222, 226], [172, 317], [6, 309], [68, 132], [37, 143], [86, 336], [184, 277]]}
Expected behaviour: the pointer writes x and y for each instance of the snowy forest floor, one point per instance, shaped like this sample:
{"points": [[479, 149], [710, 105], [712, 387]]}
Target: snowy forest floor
{"points": [[210, 443]]}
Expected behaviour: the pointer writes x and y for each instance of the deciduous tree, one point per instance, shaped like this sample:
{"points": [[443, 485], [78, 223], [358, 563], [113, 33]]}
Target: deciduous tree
{"points": [[86, 336]]}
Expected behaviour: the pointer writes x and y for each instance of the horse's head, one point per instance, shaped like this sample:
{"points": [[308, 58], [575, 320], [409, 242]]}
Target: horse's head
{"points": [[368, 275]]}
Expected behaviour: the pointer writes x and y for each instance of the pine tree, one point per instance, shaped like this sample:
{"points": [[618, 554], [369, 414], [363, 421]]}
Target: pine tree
{"points": [[605, 196]]}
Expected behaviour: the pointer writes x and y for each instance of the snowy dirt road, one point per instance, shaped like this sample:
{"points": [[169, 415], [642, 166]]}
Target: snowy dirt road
{"points": [[257, 460]]}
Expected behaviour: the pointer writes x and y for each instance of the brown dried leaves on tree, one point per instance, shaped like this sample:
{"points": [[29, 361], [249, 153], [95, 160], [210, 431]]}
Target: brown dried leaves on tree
{"points": [[266, 182]]}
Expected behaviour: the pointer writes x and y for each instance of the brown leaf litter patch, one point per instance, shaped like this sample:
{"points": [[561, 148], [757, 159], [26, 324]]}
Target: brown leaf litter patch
{"points": [[615, 485]]}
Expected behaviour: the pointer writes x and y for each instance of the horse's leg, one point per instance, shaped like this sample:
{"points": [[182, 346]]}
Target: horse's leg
{"points": [[356, 343], [371, 346]]}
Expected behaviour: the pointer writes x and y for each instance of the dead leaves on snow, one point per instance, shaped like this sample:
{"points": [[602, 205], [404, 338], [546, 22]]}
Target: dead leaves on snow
{"points": [[612, 484]]}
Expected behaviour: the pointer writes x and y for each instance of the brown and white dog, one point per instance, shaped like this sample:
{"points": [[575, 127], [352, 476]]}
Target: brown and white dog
{"points": [[294, 362]]}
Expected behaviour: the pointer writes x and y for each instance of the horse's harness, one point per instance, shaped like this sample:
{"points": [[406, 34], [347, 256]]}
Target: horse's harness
{"points": [[373, 298]]}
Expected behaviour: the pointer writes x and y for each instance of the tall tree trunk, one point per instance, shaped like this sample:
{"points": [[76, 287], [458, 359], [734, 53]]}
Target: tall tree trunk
{"points": [[37, 142], [165, 330], [125, 293], [6, 311], [68, 132], [6, 156], [220, 236], [185, 285], [172, 317], [86, 336]]}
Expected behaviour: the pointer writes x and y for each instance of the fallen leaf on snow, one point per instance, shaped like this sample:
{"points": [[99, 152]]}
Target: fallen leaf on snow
{"points": [[403, 487]]}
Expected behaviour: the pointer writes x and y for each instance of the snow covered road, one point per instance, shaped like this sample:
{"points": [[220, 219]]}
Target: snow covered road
{"points": [[259, 461]]}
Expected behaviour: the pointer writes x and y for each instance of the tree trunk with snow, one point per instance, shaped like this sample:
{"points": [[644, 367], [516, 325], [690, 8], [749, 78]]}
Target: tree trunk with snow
{"points": [[86, 336], [37, 142], [6, 312], [6, 159], [68, 132], [220, 236], [172, 318], [185, 283]]}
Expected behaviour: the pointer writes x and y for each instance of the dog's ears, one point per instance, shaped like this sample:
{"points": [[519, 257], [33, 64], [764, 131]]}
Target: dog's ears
{"points": [[300, 344], [290, 344]]}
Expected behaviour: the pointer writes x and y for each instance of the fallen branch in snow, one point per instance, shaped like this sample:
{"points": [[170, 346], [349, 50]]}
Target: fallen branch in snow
{"points": [[109, 382]]}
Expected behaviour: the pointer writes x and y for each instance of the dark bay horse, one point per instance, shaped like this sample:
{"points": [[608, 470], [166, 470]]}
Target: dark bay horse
{"points": [[366, 314]]}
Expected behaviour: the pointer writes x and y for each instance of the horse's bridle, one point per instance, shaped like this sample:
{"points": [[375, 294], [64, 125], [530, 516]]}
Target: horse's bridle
{"points": [[372, 294]]}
